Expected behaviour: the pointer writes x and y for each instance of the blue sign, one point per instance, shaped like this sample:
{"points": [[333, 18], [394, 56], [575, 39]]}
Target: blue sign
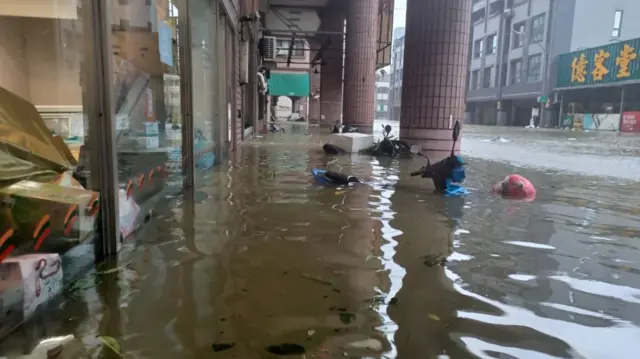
{"points": [[165, 39]]}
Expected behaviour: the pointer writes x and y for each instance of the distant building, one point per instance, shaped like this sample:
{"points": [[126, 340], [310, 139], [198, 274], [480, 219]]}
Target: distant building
{"points": [[382, 96], [397, 61], [517, 59]]}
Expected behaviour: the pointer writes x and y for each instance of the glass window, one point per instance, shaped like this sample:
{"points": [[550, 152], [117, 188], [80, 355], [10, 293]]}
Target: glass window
{"points": [[486, 77], [537, 29], [474, 79], [516, 71], [204, 78], [477, 48], [617, 23], [44, 149], [492, 44], [147, 105], [282, 47], [534, 68], [518, 36]]}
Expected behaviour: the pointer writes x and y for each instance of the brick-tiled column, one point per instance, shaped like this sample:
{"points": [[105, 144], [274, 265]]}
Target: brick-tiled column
{"points": [[435, 66], [360, 64], [331, 72]]}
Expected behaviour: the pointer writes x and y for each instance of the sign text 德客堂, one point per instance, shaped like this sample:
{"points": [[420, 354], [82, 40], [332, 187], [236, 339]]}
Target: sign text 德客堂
{"points": [[600, 65]]}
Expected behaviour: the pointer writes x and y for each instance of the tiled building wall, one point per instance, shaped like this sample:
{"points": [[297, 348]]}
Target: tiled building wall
{"points": [[331, 71], [360, 64], [435, 65]]}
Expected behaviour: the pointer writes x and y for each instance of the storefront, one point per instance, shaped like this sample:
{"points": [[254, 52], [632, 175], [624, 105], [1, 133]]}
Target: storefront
{"points": [[598, 88], [109, 108]]}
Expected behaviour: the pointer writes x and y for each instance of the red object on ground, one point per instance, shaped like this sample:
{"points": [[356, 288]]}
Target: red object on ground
{"points": [[630, 122], [515, 186]]}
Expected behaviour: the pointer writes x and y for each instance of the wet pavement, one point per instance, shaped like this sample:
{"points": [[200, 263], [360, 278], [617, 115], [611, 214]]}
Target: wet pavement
{"points": [[260, 261]]}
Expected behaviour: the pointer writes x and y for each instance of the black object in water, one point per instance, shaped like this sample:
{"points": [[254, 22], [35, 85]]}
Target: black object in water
{"points": [[218, 347], [332, 149], [286, 349], [340, 178]]}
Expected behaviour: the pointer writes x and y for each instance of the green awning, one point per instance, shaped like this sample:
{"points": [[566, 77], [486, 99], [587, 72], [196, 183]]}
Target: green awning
{"points": [[289, 84]]}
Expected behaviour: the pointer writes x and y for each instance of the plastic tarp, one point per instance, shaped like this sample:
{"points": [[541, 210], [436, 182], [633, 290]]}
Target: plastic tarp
{"points": [[289, 84], [27, 147]]}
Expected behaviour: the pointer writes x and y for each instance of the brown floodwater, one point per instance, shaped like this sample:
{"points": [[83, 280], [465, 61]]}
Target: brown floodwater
{"points": [[259, 259]]}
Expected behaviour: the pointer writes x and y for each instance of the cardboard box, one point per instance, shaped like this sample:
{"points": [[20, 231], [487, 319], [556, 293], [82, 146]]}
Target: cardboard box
{"points": [[151, 129], [36, 211], [149, 141], [139, 48], [26, 283]]}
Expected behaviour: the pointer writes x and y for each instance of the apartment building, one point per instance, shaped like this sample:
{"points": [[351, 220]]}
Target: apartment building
{"points": [[397, 61], [383, 89], [516, 45]]}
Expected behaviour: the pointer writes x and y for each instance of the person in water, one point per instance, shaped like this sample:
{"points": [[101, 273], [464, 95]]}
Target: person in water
{"points": [[515, 186]]}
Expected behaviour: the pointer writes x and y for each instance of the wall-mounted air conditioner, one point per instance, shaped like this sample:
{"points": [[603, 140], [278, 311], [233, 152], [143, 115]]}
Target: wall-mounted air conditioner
{"points": [[269, 50]]}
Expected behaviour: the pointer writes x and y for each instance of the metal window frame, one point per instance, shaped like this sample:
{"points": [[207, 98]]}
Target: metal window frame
{"points": [[538, 30], [186, 98], [100, 111], [102, 155], [617, 28], [537, 64]]}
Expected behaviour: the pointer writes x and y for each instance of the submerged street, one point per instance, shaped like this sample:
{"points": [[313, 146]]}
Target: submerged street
{"points": [[260, 261]]}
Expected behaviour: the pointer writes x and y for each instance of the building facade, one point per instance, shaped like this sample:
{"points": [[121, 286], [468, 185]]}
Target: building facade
{"points": [[515, 45], [383, 90], [597, 80], [397, 60]]}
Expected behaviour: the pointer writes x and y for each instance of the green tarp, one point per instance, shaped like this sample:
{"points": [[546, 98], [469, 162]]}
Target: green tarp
{"points": [[289, 84]]}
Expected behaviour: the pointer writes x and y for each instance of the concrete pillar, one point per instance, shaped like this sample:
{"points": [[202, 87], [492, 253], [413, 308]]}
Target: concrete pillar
{"points": [[360, 64], [314, 101], [331, 71], [435, 67]]}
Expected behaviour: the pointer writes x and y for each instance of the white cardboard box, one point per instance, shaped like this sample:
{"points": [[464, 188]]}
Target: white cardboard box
{"points": [[351, 142], [29, 281], [149, 141]]}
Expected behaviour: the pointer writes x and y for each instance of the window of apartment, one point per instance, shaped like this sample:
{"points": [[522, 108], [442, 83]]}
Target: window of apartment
{"points": [[486, 78], [124, 24], [534, 68], [492, 44], [537, 29], [148, 2], [475, 74], [282, 47], [617, 24], [516, 71], [518, 36], [503, 75], [478, 16], [123, 2], [496, 8], [477, 48]]}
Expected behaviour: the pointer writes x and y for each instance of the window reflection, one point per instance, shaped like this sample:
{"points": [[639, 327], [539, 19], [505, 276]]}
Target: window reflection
{"points": [[146, 85]]}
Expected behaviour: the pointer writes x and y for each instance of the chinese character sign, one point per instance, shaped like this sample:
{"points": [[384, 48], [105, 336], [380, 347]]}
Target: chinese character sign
{"points": [[604, 64]]}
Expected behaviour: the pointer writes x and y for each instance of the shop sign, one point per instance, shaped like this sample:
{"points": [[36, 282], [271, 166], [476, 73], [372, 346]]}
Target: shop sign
{"points": [[611, 63], [630, 122]]}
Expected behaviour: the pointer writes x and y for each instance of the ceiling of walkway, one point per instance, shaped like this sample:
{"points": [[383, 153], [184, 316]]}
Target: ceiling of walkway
{"points": [[300, 18]]}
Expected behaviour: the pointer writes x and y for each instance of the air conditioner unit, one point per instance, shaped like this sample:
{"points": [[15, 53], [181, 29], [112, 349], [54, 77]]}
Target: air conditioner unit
{"points": [[269, 48]]}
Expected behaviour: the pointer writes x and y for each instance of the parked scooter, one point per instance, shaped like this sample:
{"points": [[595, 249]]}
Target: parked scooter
{"points": [[447, 174]]}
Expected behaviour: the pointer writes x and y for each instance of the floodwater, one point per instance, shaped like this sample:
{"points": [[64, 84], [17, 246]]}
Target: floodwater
{"points": [[260, 260]]}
